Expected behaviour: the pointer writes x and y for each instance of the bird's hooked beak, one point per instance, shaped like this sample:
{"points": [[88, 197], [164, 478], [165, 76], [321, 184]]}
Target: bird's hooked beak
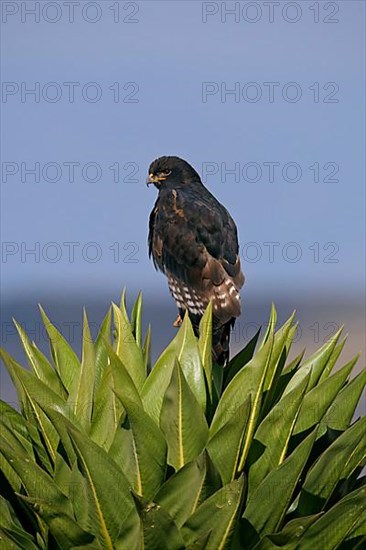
{"points": [[153, 179]]}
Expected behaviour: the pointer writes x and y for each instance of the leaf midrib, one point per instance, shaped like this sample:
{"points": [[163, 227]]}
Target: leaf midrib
{"points": [[180, 422], [103, 524]]}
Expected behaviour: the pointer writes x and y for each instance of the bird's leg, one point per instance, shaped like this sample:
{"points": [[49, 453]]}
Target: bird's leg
{"points": [[177, 323]]}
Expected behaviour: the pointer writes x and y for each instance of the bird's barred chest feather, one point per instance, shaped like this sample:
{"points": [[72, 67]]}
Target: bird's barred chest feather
{"points": [[225, 298], [185, 297]]}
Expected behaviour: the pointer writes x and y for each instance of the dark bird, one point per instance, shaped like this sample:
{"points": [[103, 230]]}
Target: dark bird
{"points": [[194, 241]]}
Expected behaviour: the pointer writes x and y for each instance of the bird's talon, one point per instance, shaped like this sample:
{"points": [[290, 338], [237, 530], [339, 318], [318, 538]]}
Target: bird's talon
{"points": [[178, 321]]}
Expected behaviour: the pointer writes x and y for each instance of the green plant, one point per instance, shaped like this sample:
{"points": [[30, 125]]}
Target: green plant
{"points": [[109, 453]]}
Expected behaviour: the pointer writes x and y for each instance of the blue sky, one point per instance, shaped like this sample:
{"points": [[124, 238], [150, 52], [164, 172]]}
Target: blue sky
{"points": [[161, 63]]}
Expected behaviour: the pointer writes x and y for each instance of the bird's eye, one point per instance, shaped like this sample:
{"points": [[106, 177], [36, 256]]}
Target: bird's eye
{"points": [[167, 172]]}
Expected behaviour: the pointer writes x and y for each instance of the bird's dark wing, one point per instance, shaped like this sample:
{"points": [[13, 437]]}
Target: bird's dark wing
{"points": [[193, 239], [153, 235]]}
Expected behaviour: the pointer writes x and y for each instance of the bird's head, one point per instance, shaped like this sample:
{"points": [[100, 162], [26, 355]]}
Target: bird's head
{"points": [[166, 171]]}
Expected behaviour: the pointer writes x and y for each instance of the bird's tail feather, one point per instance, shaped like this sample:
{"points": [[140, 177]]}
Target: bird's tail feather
{"points": [[221, 343]]}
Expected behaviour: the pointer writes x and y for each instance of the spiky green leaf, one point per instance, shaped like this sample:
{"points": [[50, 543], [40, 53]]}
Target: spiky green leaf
{"points": [[268, 504], [81, 395], [66, 361], [318, 400], [225, 446], [127, 349], [337, 462], [182, 421], [188, 484], [272, 437], [205, 344], [316, 364], [336, 524], [143, 449], [216, 517], [184, 348], [108, 490], [159, 531]]}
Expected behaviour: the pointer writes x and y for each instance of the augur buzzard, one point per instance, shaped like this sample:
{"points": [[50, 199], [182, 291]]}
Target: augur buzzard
{"points": [[194, 241]]}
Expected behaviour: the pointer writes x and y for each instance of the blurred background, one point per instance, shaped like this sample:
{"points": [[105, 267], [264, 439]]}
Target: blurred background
{"points": [[264, 99]]}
